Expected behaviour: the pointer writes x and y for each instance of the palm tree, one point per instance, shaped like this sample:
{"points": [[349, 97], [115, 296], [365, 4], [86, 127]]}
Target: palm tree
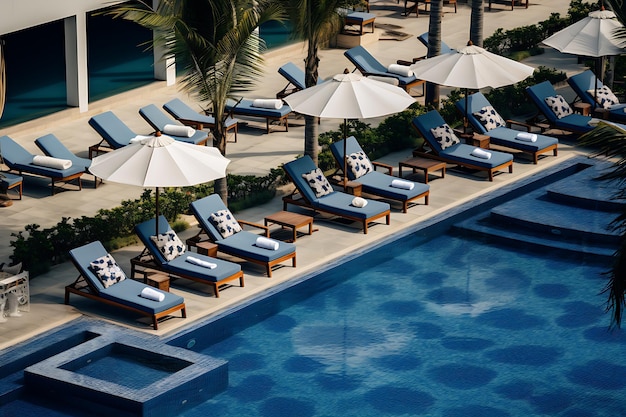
{"points": [[476, 23], [434, 48], [610, 141], [316, 22], [217, 45]]}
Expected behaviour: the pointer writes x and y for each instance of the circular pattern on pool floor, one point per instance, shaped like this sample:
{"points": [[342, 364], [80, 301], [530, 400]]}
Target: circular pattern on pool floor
{"points": [[397, 400], [461, 376]]}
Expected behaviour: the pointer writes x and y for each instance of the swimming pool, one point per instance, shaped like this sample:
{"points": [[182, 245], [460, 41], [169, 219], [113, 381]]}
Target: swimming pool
{"points": [[447, 327], [434, 323]]}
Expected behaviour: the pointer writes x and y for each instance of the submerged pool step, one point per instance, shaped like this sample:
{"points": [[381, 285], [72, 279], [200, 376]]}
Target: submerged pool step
{"points": [[483, 226]]}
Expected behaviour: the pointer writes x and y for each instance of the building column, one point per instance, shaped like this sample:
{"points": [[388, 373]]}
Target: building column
{"points": [[164, 65], [76, 72]]}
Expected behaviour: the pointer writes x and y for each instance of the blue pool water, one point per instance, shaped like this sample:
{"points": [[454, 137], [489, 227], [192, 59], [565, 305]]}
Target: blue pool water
{"points": [[450, 327]]}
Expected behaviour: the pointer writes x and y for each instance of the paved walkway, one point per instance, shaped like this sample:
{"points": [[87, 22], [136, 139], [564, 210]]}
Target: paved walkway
{"points": [[254, 153]]}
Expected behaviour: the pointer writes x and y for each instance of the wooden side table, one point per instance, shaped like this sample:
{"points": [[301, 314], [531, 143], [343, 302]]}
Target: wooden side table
{"points": [[353, 187], [158, 280], [474, 139], [294, 221], [582, 108], [205, 247], [424, 164]]}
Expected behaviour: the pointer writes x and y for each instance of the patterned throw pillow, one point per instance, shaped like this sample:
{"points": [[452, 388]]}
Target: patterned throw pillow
{"points": [[359, 164], [318, 182], [169, 244], [107, 270], [445, 136], [225, 223], [604, 96], [559, 106], [489, 118]]}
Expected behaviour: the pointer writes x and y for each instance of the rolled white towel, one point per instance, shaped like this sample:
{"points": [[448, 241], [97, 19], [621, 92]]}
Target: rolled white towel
{"points": [[50, 162], [152, 294], [266, 243], [403, 70], [140, 139], [405, 185], [200, 262], [178, 130], [359, 202], [267, 103], [527, 137], [593, 122], [388, 80], [480, 153]]}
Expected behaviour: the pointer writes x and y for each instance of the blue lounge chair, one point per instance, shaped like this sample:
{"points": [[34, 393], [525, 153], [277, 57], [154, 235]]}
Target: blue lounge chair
{"points": [[114, 132], [336, 203], [445, 49], [574, 123], [378, 183], [368, 65], [244, 107], [52, 146], [182, 112], [296, 78], [460, 153], [159, 120], [124, 294], [504, 135], [20, 160], [586, 86], [240, 244], [152, 258], [360, 19]]}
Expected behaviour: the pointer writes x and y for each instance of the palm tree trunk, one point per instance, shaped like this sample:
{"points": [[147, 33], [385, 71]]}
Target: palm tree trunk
{"points": [[220, 185], [434, 48], [476, 23], [311, 64]]}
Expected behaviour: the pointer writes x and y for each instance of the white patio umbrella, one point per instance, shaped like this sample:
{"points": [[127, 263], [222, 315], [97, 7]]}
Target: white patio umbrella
{"points": [[349, 96], [592, 36], [160, 161], [471, 67]]}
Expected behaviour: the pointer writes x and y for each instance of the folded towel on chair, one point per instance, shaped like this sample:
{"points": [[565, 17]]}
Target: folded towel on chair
{"points": [[152, 294], [266, 243], [526, 137], [359, 202], [405, 185], [267, 103], [178, 130], [140, 139], [403, 70], [50, 162], [200, 262], [479, 153]]}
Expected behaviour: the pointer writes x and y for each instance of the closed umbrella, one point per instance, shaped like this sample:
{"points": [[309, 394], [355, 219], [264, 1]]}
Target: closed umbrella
{"points": [[160, 161], [349, 96], [592, 36], [471, 67]]}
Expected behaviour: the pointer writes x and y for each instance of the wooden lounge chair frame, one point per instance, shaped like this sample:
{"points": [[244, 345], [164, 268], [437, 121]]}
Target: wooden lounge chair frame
{"points": [[297, 198], [146, 260], [209, 236], [85, 288]]}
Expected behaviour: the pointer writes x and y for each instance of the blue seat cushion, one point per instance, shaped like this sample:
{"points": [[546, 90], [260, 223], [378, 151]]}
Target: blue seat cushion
{"points": [[380, 184], [243, 244], [461, 153], [224, 269], [127, 292], [507, 137], [340, 203], [245, 107]]}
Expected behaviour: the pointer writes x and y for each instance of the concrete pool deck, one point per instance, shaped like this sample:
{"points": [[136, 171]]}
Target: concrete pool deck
{"points": [[255, 153]]}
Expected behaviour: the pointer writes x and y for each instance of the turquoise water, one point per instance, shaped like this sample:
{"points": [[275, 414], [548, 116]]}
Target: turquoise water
{"points": [[451, 327]]}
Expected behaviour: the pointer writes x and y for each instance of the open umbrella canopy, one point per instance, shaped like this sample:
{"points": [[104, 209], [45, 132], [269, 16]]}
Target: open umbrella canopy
{"points": [[471, 67], [350, 96], [592, 36], [161, 161]]}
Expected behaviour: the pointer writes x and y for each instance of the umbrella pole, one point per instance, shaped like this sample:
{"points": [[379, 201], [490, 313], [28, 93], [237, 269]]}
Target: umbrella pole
{"points": [[465, 120], [157, 211], [345, 157]]}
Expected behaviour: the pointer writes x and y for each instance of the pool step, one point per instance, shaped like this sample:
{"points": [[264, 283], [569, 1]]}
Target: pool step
{"points": [[573, 214]]}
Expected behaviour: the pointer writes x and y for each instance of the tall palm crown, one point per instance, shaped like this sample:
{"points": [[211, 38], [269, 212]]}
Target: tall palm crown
{"points": [[216, 44]]}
